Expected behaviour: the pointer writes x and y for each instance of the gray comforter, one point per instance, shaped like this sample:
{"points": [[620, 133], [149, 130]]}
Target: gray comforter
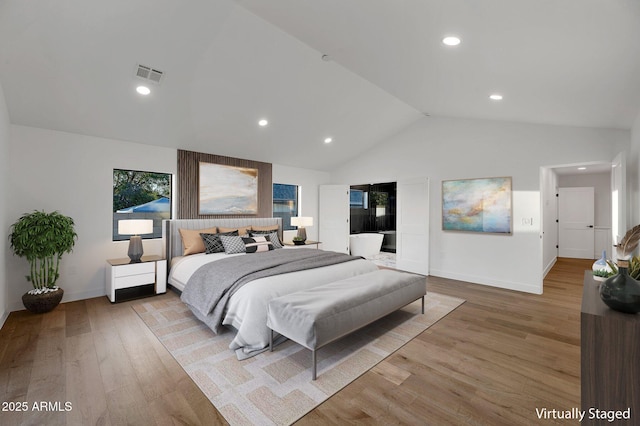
{"points": [[211, 286]]}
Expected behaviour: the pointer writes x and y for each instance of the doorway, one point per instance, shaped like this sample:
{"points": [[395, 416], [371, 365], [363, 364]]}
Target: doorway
{"points": [[596, 175], [412, 217], [372, 209]]}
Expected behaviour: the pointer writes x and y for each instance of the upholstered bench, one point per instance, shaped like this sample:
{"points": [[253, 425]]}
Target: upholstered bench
{"points": [[320, 315]]}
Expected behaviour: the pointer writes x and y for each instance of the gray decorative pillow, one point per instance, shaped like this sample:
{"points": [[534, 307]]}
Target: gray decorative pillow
{"points": [[271, 235], [232, 244], [212, 242], [257, 244]]}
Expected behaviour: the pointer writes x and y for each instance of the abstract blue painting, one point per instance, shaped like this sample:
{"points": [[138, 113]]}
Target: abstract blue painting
{"points": [[477, 205]]}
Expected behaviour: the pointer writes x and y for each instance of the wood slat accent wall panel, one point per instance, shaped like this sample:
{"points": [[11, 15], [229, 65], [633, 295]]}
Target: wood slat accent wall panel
{"points": [[188, 183]]}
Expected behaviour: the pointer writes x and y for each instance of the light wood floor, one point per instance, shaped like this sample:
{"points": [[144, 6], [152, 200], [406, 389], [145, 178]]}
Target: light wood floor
{"points": [[493, 361]]}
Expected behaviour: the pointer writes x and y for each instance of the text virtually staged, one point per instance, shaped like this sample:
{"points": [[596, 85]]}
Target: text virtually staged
{"points": [[575, 413]]}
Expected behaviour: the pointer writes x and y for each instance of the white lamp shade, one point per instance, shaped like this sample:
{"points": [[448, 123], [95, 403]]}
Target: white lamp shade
{"points": [[301, 221], [135, 226]]}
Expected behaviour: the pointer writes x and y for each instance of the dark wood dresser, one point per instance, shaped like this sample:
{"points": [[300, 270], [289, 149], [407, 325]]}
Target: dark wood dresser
{"points": [[610, 358]]}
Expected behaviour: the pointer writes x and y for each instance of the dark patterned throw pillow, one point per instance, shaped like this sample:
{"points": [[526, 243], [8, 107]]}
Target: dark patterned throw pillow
{"points": [[212, 242], [257, 244], [271, 235]]}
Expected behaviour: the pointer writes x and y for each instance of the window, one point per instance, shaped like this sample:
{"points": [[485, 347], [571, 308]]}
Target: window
{"points": [[358, 199], [141, 195], [285, 203]]}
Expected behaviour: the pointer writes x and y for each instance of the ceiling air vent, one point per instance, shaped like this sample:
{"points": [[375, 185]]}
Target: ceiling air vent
{"points": [[149, 74]]}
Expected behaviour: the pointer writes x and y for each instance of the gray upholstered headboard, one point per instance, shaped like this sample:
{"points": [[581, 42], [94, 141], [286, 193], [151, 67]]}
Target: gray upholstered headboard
{"points": [[171, 233]]}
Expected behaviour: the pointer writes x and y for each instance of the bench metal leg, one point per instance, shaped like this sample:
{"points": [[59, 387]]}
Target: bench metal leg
{"points": [[313, 364], [422, 305], [270, 340]]}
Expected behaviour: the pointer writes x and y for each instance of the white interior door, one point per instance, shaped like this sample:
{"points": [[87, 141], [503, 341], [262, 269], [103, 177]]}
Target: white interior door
{"points": [[618, 201], [412, 224], [334, 214], [576, 211]]}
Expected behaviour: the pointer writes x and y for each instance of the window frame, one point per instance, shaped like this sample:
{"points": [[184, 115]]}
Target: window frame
{"points": [[286, 219], [157, 221]]}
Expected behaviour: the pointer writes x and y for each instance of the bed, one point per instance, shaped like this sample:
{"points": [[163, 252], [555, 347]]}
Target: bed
{"points": [[243, 310]]}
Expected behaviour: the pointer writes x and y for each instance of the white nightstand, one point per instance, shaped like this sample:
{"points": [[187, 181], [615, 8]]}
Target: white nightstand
{"points": [[136, 279]]}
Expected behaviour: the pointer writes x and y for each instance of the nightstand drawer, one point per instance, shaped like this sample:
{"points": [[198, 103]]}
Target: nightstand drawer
{"points": [[135, 280], [135, 269]]}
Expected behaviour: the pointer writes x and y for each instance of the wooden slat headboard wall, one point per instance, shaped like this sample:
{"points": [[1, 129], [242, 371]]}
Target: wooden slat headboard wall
{"points": [[188, 166]]}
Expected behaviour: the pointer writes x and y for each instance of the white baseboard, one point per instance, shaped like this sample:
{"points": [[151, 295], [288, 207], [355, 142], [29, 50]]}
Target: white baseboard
{"points": [[81, 295], [3, 318], [68, 297], [509, 285], [549, 266]]}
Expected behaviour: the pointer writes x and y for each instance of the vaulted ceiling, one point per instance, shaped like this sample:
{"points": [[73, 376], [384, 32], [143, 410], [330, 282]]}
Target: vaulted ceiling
{"points": [[70, 65]]}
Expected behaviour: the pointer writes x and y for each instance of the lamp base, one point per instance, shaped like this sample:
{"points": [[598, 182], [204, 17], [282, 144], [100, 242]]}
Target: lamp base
{"points": [[135, 249], [302, 233]]}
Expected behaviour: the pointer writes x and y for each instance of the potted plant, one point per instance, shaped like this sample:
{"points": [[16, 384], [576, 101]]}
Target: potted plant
{"points": [[622, 290], [299, 241], [43, 238]]}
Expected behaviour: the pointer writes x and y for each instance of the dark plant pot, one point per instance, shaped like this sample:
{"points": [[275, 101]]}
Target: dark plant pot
{"points": [[41, 303], [298, 243], [621, 292]]}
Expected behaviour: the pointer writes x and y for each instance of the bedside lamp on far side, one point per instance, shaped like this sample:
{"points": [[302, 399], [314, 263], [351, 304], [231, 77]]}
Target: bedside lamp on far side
{"points": [[135, 228], [301, 222]]}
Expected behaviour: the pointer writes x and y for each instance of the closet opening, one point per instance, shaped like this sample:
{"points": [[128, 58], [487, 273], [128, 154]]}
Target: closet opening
{"points": [[373, 211]]}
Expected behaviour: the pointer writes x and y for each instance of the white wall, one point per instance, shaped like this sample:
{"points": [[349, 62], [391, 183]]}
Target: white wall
{"points": [[4, 201], [310, 181], [74, 174], [442, 149]]}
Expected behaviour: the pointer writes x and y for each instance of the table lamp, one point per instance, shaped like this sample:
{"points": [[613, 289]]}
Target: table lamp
{"points": [[301, 222], [135, 228]]}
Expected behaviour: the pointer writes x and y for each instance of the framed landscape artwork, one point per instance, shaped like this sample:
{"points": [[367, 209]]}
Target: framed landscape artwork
{"points": [[227, 190], [477, 205]]}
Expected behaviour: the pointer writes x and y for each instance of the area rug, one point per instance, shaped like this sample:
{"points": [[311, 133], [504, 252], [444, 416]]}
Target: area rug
{"points": [[275, 388], [384, 259]]}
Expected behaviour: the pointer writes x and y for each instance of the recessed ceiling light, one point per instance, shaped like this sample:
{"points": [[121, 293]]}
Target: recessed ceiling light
{"points": [[495, 97], [451, 40], [263, 122], [582, 168], [328, 140], [143, 90]]}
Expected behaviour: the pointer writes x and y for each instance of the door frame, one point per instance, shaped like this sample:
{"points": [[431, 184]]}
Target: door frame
{"points": [[548, 222]]}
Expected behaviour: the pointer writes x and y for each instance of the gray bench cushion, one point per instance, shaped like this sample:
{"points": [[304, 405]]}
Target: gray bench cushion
{"points": [[322, 314]]}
